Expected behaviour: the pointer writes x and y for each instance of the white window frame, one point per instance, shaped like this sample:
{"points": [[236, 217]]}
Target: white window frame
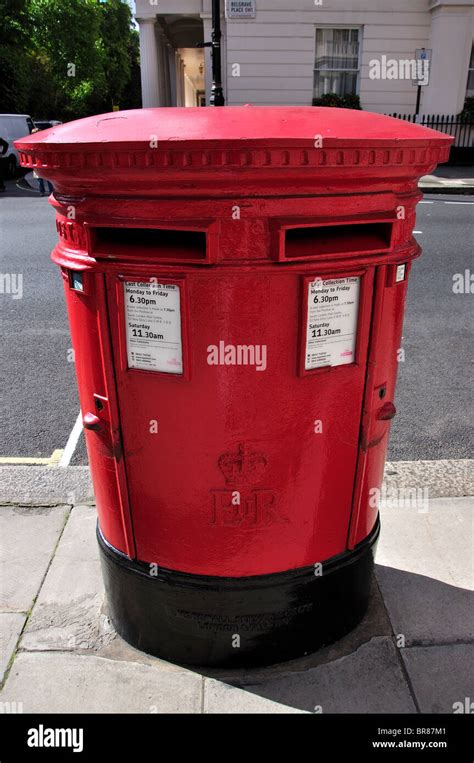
{"points": [[359, 28], [469, 70]]}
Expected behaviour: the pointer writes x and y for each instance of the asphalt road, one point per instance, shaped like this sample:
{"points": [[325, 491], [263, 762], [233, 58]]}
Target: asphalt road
{"points": [[435, 398]]}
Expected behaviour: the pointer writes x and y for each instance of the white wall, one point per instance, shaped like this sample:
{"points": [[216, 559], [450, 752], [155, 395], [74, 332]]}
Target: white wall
{"points": [[146, 8], [189, 92], [276, 50], [452, 32]]}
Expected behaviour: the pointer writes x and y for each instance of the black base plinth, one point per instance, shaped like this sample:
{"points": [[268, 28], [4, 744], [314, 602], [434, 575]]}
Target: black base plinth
{"points": [[234, 622]]}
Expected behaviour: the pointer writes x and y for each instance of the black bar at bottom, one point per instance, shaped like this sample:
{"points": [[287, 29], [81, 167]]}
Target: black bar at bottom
{"points": [[340, 737]]}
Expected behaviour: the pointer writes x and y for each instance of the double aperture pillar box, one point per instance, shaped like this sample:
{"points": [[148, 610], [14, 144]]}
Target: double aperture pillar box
{"points": [[235, 281]]}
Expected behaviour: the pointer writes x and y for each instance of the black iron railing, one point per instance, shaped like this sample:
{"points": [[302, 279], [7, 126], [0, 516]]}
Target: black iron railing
{"points": [[460, 127]]}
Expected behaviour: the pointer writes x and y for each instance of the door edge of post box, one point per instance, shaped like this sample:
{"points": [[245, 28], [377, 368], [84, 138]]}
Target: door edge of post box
{"points": [[111, 378]]}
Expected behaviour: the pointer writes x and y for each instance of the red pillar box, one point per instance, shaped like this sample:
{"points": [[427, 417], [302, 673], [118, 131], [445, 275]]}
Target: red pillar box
{"points": [[235, 280]]}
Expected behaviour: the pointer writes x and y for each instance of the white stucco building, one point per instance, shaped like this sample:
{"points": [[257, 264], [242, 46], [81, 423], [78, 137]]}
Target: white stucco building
{"points": [[289, 51]]}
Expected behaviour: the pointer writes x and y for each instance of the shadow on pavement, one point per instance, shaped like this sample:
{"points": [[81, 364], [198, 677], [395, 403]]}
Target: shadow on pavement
{"points": [[366, 671]]}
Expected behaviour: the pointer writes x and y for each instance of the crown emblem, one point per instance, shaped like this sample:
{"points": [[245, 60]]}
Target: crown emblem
{"points": [[243, 466]]}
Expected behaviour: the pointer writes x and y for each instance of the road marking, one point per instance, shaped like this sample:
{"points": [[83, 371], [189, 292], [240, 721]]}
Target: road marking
{"points": [[417, 231], [72, 442], [59, 457], [443, 201], [56, 457], [53, 459]]}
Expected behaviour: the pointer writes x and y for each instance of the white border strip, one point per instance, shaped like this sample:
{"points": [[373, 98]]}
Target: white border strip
{"points": [[72, 442]]}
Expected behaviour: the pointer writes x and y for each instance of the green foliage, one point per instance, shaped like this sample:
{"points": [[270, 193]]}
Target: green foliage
{"points": [[467, 114], [15, 51], [131, 98], [64, 59], [67, 34], [114, 48], [338, 101]]}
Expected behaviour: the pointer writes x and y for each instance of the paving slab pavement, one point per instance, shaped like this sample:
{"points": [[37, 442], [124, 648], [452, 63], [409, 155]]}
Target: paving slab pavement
{"points": [[449, 178], [220, 698], [69, 658], [73, 683], [68, 612], [11, 625], [435, 184], [369, 680], [28, 537], [425, 571], [442, 677]]}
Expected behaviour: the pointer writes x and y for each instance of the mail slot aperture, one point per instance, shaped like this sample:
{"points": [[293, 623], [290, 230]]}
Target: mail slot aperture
{"points": [[161, 243], [324, 240]]}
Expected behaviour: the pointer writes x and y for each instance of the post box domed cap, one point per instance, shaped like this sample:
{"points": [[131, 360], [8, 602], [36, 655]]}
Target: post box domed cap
{"points": [[247, 126], [216, 150]]}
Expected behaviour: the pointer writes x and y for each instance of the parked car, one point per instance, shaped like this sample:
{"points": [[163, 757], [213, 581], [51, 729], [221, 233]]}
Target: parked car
{"points": [[44, 124], [12, 127]]}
